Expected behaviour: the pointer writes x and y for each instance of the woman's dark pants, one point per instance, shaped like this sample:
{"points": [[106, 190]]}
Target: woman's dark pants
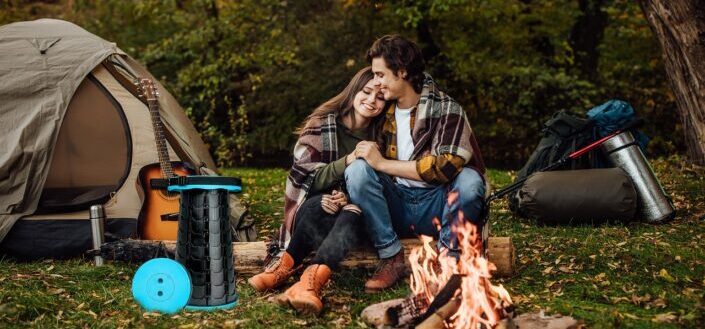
{"points": [[330, 236]]}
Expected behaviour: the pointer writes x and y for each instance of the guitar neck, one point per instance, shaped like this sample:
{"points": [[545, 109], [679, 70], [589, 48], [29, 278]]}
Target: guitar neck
{"points": [[162, 150]]}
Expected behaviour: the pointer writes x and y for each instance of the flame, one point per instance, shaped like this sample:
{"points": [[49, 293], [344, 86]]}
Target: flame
{"points": [[481, 301]]}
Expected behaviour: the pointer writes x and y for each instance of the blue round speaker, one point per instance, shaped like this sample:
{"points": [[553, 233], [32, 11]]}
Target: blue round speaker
{"points": [[162, 285]]}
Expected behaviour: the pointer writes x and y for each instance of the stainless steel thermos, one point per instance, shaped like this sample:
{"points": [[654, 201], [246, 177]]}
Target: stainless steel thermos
{"points": [[97, 215], [623, 151]]}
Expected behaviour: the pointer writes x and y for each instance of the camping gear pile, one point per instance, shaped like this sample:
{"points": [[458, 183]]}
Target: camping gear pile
{"points": [[74, 134], [202, 277], [584, 191]]}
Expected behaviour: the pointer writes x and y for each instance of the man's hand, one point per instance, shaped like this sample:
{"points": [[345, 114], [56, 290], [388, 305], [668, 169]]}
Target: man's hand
{"points": [[370, 152], [350, 158]]}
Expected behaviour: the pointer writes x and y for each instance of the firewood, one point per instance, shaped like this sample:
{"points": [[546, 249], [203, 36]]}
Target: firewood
{"points": [[438, 318], [443, 297], [249, 256], [375, 314], [500, 251]]}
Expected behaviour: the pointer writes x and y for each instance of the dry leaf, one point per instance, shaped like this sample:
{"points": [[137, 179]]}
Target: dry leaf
{"points": [[664, 275], [234, 323], [665, 318]]}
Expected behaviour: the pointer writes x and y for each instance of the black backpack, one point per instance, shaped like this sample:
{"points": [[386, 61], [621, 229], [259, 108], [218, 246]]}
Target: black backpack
{"points": [[563, 134]]}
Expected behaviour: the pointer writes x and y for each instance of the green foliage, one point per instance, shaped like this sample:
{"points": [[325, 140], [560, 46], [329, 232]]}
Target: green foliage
{"points": [[248, 72]]}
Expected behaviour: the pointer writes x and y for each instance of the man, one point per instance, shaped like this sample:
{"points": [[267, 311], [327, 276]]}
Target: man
{"points": [[429, 151]]}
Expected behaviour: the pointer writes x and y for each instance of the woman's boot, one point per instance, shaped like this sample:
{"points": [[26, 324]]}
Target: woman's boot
{"points": [[305, 295], [275, 274]]}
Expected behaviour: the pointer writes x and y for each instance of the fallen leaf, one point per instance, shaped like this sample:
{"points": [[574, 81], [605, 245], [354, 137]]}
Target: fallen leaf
{"points": [[631, 316], [234, 323], [665, 318], [300, 322], [664, 275]]}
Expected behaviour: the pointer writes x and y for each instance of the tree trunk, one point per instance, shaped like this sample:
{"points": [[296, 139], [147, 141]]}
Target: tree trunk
{"points": [[586, 36], [679, 26]]}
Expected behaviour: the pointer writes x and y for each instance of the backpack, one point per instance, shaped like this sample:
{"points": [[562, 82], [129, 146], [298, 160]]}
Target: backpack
{"points": [[613, 115], [563, 134]]}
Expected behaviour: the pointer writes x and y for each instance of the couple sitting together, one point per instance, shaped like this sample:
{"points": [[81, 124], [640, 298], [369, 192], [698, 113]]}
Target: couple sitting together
{"points": [[371, 165]]}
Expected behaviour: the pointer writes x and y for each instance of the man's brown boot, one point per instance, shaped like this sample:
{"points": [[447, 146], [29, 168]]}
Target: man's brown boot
{"points": [[274, 275], [388, 272], [305, 295]]}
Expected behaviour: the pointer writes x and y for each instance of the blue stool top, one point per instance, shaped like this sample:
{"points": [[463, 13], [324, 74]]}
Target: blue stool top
{"points": [[202, 182], [162, 285]]}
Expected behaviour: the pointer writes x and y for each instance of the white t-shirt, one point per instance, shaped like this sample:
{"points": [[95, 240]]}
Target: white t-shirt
{"points": [[405, 145]]}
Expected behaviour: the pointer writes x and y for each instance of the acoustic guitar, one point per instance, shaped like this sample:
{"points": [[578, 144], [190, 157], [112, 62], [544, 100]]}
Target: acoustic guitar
{"points": [[160, 210]]}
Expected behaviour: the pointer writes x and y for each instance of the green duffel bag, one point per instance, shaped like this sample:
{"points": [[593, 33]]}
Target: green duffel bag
{"points": [[578, 196]]}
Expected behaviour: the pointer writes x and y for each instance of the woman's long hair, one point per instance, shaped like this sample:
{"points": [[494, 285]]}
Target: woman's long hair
{"points": [[342, 104]]}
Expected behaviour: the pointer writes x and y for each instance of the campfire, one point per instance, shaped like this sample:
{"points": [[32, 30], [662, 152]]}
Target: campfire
{"points": [[459, 289]]}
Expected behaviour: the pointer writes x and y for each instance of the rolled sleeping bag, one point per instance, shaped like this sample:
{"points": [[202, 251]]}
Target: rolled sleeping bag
{"points": [[578, 196]]}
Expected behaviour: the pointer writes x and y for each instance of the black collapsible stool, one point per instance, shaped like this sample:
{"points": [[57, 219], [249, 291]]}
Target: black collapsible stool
{"points": [[204, 240]]}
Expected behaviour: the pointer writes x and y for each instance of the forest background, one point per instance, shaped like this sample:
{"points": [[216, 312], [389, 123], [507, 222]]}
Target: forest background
{"points": [[248, 72]]}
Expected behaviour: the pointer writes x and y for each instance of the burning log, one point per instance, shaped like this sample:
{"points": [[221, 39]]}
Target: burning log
{"points": [[445, 295], [415, 309], [403, 313], [438, 279], [438, 319]]}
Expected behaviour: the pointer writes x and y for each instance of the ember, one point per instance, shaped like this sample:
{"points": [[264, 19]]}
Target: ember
{"points": [[481, 302]]}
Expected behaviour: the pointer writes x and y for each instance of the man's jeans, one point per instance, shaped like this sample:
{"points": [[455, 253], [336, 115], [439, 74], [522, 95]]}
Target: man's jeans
{"points": [[391, 210]]}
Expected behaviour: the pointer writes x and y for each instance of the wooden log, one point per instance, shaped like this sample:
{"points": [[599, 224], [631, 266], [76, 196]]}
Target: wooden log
{"points": [[249, 256], [500, 251]]}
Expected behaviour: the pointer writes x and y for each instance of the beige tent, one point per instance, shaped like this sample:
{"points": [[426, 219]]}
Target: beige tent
{"points": [[73, 133]]}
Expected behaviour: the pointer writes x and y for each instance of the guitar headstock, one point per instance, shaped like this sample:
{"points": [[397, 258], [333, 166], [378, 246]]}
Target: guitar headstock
{"points": [[147, 89]]}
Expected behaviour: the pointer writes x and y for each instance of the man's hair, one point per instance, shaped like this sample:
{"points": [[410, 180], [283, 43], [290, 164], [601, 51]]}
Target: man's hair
{"points": [[400, 53]]}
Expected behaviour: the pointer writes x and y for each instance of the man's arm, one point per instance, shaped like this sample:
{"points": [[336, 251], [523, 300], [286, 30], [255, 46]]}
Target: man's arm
{"points": [[439, 169], [399, 168], [370, 152], [430, 169]]}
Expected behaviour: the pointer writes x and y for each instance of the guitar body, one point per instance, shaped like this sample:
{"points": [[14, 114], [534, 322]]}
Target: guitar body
{"points": [[159, 216]]}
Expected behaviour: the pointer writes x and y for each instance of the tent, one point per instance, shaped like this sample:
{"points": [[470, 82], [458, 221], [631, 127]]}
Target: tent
{"points": [[73, 133]]}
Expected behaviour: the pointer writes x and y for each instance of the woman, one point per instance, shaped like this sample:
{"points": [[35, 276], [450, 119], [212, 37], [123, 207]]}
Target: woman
{"points": [[315, 204]]}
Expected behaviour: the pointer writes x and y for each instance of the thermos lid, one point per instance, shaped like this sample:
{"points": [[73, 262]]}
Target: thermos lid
{"points": [[162, 285], [97, 211], [181, 183]]}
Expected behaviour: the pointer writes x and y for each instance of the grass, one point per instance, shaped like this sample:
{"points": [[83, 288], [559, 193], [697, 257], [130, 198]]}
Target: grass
{"points": [[628, 276]]}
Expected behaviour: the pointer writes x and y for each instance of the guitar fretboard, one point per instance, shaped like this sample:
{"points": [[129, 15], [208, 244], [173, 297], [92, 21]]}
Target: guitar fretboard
{"points": [[162, 150]]}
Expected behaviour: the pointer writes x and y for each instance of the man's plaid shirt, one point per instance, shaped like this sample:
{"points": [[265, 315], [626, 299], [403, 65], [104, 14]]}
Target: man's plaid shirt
{"points": [[432, 169]]}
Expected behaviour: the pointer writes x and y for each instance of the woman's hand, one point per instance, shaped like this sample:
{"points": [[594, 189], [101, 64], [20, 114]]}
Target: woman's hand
{"points": [[329, 205], [339, 198]]}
